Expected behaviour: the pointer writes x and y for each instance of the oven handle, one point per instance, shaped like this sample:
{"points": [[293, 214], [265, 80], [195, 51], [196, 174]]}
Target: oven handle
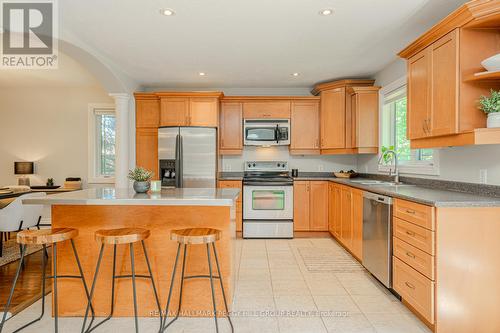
{"points": [[250, 183]]}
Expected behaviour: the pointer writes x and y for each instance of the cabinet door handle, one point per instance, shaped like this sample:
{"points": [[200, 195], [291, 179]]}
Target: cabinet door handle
{"points": [[410, 211], [409, 285], [317, 143], [411, 255], [410, 233]]}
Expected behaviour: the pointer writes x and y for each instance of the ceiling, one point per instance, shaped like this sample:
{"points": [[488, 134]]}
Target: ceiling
{"points": [[252, 43]]}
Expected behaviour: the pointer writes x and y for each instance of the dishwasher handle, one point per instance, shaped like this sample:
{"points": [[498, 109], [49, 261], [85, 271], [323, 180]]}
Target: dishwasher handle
{"points": [[377, 197]]}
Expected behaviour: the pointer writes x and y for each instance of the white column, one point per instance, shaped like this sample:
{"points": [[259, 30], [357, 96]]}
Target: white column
{"points": [[122, 142]]}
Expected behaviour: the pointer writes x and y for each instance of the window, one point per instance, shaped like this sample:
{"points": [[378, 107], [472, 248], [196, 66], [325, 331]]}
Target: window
{"points": [[102, 134], [393, 134]]}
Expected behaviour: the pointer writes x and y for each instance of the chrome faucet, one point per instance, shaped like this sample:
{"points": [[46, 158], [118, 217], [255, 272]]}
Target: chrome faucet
{"points": [[396, 166]]}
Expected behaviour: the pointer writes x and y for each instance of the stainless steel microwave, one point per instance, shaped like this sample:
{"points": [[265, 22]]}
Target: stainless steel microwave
{"points": [[266, 132]]}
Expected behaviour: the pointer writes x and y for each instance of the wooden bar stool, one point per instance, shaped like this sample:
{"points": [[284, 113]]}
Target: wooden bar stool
{"points": [[190, 237], [120, 237], [45, 237]]}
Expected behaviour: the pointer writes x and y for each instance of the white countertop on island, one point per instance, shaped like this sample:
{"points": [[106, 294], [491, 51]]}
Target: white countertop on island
{"points": [[167, 197]]}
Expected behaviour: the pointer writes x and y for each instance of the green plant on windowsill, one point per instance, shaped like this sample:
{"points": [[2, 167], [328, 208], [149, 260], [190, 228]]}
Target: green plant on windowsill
{"points": [[387, 158]]}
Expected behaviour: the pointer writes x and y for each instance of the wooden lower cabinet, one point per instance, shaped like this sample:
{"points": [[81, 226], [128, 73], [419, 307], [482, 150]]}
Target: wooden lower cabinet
{"points": [[357, 223], [146, 148], [239, 212], [310, 205], [346, 217], [414, 288]]}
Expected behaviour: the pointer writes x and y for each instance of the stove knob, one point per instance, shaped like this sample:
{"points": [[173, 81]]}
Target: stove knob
{"points": [[254, 165], [279, 165], [249, 165]]}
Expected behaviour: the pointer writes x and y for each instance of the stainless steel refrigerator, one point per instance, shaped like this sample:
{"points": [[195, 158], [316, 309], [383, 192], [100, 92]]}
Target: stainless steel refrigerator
{"points": [[187, 156]]}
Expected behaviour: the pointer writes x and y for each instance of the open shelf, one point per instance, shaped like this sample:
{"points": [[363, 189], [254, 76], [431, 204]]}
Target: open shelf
{"points": [[483, 76]]}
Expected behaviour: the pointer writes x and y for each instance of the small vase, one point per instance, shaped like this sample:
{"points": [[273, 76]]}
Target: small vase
{"points": [[141, 187], [493, 120]]}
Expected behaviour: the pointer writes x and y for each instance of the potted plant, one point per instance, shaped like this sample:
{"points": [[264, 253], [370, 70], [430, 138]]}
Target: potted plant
{"points": [[141, 178], [491, 106]]}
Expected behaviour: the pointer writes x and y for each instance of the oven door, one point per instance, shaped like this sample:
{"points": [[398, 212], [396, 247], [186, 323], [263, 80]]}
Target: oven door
{"points": [[268, 202]]}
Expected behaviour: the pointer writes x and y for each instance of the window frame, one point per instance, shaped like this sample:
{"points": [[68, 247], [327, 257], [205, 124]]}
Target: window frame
{"points": [[414, 167], [93, 110]]}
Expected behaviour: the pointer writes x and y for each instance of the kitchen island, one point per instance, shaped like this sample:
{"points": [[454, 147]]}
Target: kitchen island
{"points": [[107, 208]]}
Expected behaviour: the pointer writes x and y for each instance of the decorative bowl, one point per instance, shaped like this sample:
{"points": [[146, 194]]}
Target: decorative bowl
{"points": [[492, 64]]}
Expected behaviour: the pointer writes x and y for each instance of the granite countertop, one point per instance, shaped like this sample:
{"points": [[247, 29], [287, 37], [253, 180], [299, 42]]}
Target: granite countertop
{"points": [[430, 192], [167, 197]]}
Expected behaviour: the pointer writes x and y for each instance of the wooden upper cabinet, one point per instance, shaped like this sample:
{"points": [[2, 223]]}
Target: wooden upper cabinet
{"points": [[318, 206], [332, 117], [419, 85], [305, 128], [341, 117], [203, 111], [147, 112], [364, 107], [146, 148], [174, 111], [266, 109], [301, 190], [231, 128], [444, 107], [443, 81]]}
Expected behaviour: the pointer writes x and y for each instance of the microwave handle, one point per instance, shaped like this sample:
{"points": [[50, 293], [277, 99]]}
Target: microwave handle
{"points": [[277, 133]]}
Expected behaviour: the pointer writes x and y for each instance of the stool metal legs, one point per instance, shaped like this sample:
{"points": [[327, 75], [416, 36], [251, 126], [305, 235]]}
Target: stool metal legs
{"points": [[209, 276], [133, 276], [55, 277]]}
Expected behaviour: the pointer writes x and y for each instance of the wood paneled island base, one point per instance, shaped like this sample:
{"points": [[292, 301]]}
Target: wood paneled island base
{"points": [[159, 220]]}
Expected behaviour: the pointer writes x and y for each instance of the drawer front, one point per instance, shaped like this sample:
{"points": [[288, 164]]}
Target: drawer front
{"points": [[419, 237], [414, 288], [415, 213], [417, 259]]}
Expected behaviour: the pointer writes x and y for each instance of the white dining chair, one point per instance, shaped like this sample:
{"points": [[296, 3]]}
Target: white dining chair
{"points": [[16, 216]]}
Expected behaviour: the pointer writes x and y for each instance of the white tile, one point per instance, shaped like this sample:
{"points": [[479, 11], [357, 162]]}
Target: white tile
{"points": [[395, 323], [290, 287], [253, 302], [295, 303], [255, 324], [352, 323], [301, 325], [336, 304], [377, 304]]}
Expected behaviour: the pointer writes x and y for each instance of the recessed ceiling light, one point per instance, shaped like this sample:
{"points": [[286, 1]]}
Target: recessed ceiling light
{"points": [[202, 73], [326, 12], [167, 12], [295, 74]]}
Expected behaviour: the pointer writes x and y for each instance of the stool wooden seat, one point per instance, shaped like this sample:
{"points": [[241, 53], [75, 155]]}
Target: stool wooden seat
{"points": [[121, 235], [196, 235], [46, 236]]}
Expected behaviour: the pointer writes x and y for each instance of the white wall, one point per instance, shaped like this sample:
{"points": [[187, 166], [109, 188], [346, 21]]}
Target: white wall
{"points": [[47, 125], [456, 163], [303, 163]]}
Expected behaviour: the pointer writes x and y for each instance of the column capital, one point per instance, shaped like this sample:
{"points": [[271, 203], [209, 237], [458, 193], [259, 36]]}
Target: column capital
{"points": [[120, 96]]}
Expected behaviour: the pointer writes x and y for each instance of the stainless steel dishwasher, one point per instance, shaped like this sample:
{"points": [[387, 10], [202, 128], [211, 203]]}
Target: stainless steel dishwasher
{"points": [[377, 236]]}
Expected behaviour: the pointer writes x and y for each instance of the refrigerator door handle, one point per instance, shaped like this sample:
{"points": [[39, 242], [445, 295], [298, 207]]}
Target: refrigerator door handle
{"points": [[177, 160], [181, 157]]}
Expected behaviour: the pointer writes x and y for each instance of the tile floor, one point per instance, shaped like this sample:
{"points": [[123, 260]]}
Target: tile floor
{"points": [[275, 292]]}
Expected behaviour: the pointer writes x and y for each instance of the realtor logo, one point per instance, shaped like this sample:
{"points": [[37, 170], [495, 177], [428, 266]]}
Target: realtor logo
{"points": [[29, 39]]}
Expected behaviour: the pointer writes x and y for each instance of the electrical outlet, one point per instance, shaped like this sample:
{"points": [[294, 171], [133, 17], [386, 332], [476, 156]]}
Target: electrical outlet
{"points": [[320, 167], [483, 176]]}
